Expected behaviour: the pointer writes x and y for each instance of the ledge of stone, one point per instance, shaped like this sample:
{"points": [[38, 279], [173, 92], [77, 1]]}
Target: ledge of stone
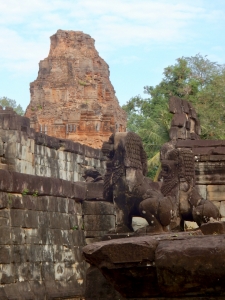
{"points": [[15, 182], [9, 120], [168, 265]]}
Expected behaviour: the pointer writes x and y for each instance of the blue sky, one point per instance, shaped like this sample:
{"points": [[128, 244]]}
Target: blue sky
{"points": [[137, 39]]}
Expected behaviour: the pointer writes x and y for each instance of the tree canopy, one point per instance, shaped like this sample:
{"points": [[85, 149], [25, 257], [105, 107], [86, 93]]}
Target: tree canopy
{"points": [[196, 79], [4, 101]]}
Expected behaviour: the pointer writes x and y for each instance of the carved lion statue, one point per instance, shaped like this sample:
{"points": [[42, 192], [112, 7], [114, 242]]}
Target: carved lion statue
{"points": [[178, 176], [165, 205], [126, 185]]}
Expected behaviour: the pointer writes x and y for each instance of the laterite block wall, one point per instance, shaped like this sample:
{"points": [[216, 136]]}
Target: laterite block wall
{"points": [[44, 223]]}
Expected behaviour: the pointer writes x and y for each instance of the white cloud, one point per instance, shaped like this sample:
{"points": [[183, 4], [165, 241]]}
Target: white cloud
{"points": [[26, 26]]}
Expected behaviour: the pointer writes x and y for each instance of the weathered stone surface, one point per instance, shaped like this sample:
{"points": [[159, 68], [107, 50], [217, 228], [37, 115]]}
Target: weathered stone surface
{"points": [[58, 220], [217, 204], [97, 208], [30, 219], [5, 253], [17, 217], [17, 235], [177, 276], [94, 234], [213, 228], [99, 222], [18, 254], [79, 190], [202, 150], [4, 217], [219, 150], [31, 250], [94, 190], [72, 96], [37, 185], [208, 179], [40, 154], [202, 190], [222, 209], [120, 252], [199, 143], [4, 200], [185, 124], [164, 266], [3, 294], [216, 192], [116, 251], [179, 120], [93, 240], [216, 157], [98, 287], [8, 273]]}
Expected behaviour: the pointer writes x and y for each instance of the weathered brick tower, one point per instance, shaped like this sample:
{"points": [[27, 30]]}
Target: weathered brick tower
{"points": [[72, 97]]}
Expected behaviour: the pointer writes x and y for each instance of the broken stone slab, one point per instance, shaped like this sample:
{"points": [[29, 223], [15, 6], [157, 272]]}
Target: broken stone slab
{"points": [[168, 265], [217, 227]]}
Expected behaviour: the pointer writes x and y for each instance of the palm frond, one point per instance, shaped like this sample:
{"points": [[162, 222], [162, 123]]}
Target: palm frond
{"points": [[157, 173], [154, 161]]}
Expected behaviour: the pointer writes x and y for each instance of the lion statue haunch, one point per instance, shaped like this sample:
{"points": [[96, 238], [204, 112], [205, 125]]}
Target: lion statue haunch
{"points": [[126, 185]]}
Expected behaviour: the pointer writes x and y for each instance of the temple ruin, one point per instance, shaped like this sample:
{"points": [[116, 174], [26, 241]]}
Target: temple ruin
{"points": [[72, 97], [68, 210]]}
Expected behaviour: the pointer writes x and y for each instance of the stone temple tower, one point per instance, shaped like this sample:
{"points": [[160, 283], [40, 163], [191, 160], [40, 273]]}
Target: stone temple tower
{"points": [[72, 97]]}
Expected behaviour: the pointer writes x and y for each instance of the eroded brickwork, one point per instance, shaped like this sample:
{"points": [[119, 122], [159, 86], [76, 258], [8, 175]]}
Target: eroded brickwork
{"points": [[72, 96]]}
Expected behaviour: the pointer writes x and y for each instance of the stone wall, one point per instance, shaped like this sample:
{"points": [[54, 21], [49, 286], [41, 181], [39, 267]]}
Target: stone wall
{"points": [[44, 223], [47, 212], [25, 151], [209, 169]]}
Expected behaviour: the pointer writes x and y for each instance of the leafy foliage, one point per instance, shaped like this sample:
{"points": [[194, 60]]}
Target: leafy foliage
{"points": [[195, 79], [4, 101]]}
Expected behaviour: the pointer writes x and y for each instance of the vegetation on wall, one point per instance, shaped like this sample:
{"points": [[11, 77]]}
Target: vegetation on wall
{"points": [[196, 79]]}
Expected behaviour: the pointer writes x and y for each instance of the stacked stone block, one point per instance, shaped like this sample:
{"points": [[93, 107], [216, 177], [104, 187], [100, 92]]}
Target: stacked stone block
{"points": [[209, 169], [25, 151], [99, 217], [44, 223], [41, 240]]}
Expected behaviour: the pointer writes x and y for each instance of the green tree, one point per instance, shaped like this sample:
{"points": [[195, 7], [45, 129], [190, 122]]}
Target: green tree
{"points": [[4, 101], [154, 131], [195, 79]]}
